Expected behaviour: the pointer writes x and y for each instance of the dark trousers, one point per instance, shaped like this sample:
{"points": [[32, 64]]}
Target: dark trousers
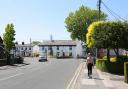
{"points": [[89, 66]]}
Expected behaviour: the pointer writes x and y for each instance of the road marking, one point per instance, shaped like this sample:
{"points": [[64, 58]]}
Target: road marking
{"points": [[72, 83], [88, 82], [6, 78]]}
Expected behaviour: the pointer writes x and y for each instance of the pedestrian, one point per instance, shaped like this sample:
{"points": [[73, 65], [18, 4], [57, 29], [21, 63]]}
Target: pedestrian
{"points": [[90, 63]]}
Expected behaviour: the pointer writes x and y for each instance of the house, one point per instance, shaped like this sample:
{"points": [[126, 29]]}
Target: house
{"points": [[23, 49], [1, 49], [61, 48], [3, 56], [103, 52]]}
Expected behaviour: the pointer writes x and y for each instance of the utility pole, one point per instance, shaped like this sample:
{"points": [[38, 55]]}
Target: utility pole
{"points": [[99, 9], [99, 18], [30, 47]]}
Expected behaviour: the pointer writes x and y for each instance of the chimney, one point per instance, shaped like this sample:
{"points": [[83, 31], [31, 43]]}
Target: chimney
{"points": [[51, 39], [16, 43], [22, 43]]}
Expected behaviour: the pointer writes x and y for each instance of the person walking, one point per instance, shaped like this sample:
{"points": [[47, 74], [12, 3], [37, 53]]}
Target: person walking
{"points": [[90, 63]]}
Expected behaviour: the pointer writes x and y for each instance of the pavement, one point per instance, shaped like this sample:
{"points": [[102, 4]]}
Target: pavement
{"points": [[100, 80]]}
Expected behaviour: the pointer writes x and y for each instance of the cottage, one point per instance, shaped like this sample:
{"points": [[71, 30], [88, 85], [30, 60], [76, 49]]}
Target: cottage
{"points": [[61, 48], [24, 50]]}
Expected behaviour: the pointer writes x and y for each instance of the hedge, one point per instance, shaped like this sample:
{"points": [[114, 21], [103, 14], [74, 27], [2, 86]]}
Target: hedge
{"points": [[126, 72], [3, 62], [111, 67]]}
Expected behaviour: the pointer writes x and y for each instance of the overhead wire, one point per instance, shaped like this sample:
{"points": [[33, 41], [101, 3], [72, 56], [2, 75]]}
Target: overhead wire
{"points": [[115, 15]]}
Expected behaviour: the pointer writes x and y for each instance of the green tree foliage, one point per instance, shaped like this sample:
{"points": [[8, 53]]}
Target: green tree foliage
{"points": [[36, 42], [77, 22], [9, 37], [108, 35]]}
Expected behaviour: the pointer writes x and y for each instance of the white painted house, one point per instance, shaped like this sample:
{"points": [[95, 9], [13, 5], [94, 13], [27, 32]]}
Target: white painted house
{"points": [[24, 50], [61, 48]]}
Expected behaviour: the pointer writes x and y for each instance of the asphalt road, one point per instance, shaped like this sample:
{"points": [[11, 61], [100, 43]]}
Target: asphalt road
{"points": [[54, 74]]}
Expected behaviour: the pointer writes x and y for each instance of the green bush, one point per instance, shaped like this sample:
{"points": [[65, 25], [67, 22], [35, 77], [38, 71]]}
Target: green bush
{"points": [[113, 59], [105, 58], [126, 72], [116, 67], [101, 64], [3, 62]]}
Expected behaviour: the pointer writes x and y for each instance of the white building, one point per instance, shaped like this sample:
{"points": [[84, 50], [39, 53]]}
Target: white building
{"points": [[61, 48], [24, 50], [35, 51]]}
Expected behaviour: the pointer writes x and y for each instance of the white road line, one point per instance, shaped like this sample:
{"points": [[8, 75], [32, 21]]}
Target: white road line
{"points": [[72, 83], [6, 78]]}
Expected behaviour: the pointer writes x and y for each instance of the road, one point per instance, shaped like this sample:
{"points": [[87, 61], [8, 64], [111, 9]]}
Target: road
{"points": [[54, 74]]}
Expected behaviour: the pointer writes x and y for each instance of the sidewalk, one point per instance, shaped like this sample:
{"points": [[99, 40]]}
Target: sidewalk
{"points": [[100, 80]]}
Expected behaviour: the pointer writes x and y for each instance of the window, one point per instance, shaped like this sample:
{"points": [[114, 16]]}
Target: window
{"points": [[70, 54], [57, 47], [29, 48], [50, 48], [57, 54], [16, 48], [42, 47], [70, 47], [26, 48], [22, 48]]}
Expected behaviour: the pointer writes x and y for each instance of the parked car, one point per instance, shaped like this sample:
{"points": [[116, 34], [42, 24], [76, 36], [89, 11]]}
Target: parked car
{"points": [[43, 57], [19, 59]]}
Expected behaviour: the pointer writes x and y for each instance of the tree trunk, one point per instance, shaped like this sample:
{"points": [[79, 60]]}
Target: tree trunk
{"points": [[116, 52], [108, 55]]}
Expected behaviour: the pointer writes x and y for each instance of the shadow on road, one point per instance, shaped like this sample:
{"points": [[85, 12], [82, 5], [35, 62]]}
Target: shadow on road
{"points": [[13, 66]]}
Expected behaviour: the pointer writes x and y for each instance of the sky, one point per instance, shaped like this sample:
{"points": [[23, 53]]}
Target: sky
{"points": [[38, 19]]}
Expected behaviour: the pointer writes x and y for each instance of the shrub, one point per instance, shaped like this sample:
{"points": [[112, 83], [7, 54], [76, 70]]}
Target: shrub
{"points": [[36, 54], [126, 72], [105, 58], [113, 59], [112, 67], [100, 64]]}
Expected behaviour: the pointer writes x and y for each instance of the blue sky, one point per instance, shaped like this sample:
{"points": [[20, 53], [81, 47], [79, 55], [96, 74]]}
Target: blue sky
{"points": [[38, 19]]}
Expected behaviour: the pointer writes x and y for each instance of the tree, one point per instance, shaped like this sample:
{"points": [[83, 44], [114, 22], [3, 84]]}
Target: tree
{"points": [[77, 22], [36, 42], [108, 35], [9, 37]]}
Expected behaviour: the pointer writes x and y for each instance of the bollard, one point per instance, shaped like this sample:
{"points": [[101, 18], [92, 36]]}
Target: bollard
{"points": [[126, 72]]}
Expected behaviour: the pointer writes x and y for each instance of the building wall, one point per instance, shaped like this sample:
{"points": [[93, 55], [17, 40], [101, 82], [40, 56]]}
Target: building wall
{"points": [[62, 49], [79, 49], [24, 50], [103, 52], [35, 49]]}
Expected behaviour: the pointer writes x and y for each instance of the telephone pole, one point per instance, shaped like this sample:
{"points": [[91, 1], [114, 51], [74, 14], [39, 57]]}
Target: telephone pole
{"points": [[99, 9]]}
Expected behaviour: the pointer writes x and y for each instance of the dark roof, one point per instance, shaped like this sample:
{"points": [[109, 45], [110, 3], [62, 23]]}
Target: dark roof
{"points": [[58, 43]]}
